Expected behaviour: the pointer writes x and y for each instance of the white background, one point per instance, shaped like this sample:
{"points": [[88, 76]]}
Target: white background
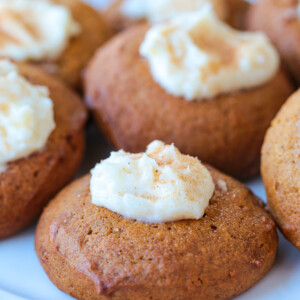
{"points": [[21, 276]]}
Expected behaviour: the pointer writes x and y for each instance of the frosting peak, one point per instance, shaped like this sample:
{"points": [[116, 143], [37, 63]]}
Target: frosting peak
{"points": [[34, 29], [160, 10], [26, 115], [197, 56], [160, 185]]}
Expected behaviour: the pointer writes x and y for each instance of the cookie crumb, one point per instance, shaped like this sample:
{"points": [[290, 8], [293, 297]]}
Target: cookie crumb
{"points": [[222, 185]]}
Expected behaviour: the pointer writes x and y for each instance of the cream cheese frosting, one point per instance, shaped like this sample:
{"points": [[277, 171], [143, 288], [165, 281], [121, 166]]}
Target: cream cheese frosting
{"points": [[160, 185], [158, 10], [197, 56], [26, 115], [34, 29]]}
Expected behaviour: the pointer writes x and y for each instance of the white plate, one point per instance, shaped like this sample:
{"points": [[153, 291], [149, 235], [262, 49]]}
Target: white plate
{"points": [[22, 277]]}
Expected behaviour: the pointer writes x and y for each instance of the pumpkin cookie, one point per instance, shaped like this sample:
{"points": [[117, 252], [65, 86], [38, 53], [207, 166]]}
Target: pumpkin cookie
{"points": [[281, 169], [91, 252], [42, 142], [135, 101], [280, 20], [58, 35]]}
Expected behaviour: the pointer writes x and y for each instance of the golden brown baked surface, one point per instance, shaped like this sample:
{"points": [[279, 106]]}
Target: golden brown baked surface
{"points": [[29, 183], [117, 21], [94, 33], [281, 169], [133, 110], [90, 252], [278, 19]]}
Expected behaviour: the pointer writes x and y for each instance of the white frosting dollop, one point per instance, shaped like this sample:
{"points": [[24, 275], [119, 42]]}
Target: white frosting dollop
{"points": [[26, 115], [160, 185], [197, 56], [34, 29], [160, 10]]}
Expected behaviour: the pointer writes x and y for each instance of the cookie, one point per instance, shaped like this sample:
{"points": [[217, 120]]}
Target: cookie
{"points": [[132, 110], [28, 184], [93, 34], [281, 169], [284, 33], [90, 252], [60, 41]]}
